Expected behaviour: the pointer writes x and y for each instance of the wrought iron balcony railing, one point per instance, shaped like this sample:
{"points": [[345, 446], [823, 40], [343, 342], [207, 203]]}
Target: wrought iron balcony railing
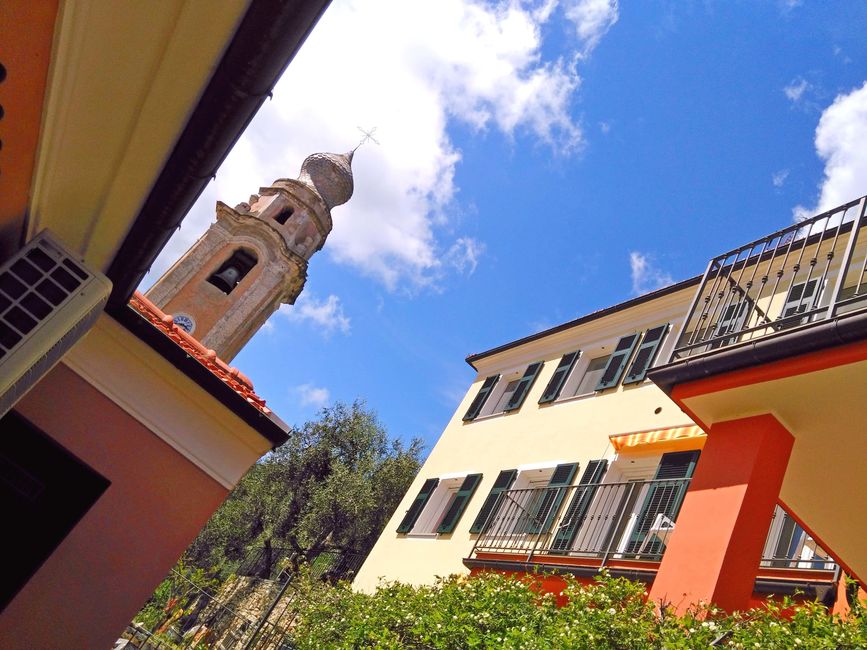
{"points": [[788, 546], [813, 270], [627, 523], [601, 520]]}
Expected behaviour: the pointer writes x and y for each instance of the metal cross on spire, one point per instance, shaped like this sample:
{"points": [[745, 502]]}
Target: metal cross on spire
{"points": [[368, 136]]}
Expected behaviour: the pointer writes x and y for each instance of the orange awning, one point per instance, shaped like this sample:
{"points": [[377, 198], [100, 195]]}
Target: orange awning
{"points": [[627, 440]]}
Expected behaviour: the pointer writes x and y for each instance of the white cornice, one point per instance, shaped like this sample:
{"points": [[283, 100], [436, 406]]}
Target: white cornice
{"points": [[167, 402], [670, 308]]}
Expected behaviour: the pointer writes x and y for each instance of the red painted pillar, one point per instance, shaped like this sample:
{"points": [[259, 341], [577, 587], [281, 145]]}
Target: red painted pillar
{"points": [[717, 542]]}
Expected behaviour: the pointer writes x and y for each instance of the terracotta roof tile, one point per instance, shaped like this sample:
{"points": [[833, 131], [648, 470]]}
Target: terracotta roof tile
{"points": [[231, 376]]}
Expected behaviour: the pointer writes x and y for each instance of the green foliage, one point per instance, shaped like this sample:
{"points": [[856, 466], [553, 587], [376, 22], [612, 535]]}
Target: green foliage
{"points": [[334, 483], [496, 611], [174, 595]]}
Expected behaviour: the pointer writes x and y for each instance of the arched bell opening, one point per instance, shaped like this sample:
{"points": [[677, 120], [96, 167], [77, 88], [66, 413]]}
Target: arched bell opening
{"points": [[233, 270]]}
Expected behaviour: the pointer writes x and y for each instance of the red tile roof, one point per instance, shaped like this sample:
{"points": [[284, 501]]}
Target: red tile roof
{"points": [[233, 377]]}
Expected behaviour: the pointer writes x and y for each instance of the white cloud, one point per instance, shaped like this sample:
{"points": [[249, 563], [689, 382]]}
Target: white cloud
{"points": [[310, 395], [410, 69], [464, 255], [779, 178], [646, 276], [796, 89], [840, 138], [327, 314], [605, 127], [592, 18]]}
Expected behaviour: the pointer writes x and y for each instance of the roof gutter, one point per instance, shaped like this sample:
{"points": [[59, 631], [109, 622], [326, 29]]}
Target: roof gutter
{"points": [[267, 39], [840, 330], [647, 297]]}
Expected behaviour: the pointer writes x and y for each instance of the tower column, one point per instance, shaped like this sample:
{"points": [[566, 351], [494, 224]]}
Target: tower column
{"points": [[717, 542]]}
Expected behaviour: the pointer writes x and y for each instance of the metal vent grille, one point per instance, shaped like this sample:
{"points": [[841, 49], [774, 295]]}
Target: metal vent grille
{"points": [[32, 288], [48, 301]]}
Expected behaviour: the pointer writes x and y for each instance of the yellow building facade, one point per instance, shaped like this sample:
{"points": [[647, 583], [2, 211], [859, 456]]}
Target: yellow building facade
{"points": [[565, 456]]}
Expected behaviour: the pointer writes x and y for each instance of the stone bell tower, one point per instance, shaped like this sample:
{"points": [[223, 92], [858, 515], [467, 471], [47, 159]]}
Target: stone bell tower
{"points": [[255, 256]]}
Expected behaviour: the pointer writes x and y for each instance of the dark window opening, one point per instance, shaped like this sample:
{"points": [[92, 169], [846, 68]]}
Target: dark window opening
{"points": [[44, 492], [233, 271], [283, 217]]}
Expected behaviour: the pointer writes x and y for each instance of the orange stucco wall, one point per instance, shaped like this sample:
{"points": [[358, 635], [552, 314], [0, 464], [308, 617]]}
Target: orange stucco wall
{"points": [[554, 584], [717, 543], [107, 567], [25, 53]]}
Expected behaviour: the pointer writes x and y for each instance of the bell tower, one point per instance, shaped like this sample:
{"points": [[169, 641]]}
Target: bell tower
{"points": [[254, 257]]}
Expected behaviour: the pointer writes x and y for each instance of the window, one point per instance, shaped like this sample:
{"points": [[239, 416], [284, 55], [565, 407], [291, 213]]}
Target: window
{"points": [[798, 301], [519, 393], [525, 501], [617, 363], [558, 379], [662, 501], [233, 270], [646, 354], [592, 375], [481, 397], [506, 396], [579, 505], [544, 508], [283, 216], [458, 503], [733, 319], [509, 397], [416, 507], [438, 507], [504, 482], [45, 491]]}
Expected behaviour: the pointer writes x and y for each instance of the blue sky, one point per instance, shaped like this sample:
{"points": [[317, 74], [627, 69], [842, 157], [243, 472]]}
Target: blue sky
{"points": [[536, 161]]}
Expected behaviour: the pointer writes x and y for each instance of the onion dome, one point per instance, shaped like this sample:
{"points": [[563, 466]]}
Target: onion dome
{"points": [[330, 174]]}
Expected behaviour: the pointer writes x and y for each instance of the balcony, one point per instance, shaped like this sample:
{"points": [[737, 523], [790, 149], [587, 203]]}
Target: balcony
{"points": [[625, 528], [778, 328], [770, 293]]}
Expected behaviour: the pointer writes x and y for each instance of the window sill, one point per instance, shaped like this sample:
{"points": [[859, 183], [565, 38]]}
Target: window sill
{"points": [[575, 398], [492, 416], [422, 535]]}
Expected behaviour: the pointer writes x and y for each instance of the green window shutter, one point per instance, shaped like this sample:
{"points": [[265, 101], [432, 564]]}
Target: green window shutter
{"points": [[646, 354], [555, 385], [459, 503], [418, 505], [504, 482], [663, 498], [524, 386], [482, 397], [544, 510], [617, 362], [576, 512]]}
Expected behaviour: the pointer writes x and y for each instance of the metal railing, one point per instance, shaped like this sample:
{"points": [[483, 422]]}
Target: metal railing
{"points": [[788, 546], [201, 618], [255, 609], [603, 521], [813, 270], [276, 563], [626, 522]]}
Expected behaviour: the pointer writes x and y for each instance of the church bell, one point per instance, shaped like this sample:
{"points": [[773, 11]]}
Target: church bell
{"points": [[227, 279]]}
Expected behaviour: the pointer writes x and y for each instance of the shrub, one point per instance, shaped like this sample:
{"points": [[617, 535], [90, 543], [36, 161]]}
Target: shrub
{"points": [[496, 611]]}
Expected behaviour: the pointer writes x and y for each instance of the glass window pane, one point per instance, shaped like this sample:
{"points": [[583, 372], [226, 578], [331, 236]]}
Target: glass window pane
{"points": [[592, 375], [510, 388]]}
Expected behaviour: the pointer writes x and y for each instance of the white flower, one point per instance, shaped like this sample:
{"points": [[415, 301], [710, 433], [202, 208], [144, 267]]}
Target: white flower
{"points": [[612, 611]]}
